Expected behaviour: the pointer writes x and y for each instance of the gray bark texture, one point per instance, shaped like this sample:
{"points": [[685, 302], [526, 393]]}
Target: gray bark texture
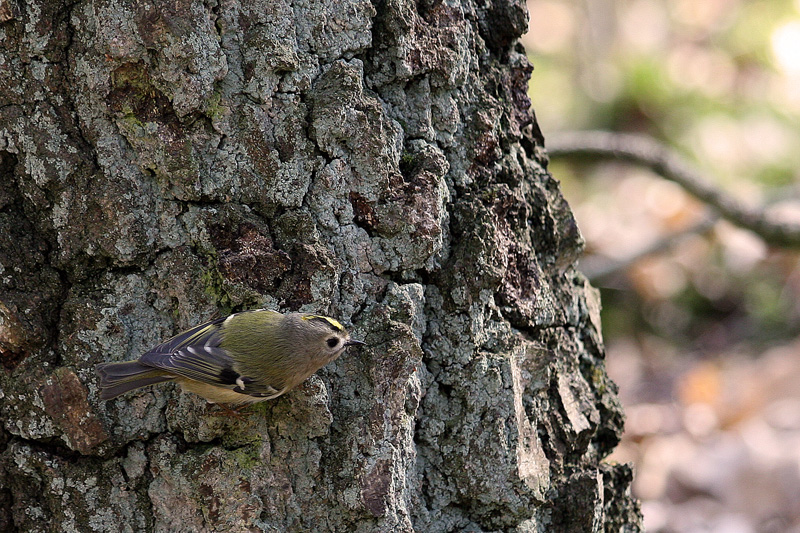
{"points": [[163, 161]]}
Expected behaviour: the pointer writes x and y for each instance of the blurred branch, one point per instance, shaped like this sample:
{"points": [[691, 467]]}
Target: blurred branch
{"points": [[595, 268], [666, 163]]}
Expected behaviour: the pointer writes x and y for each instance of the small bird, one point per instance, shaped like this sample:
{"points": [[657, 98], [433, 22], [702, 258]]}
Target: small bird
{"points": [[244, 358]]}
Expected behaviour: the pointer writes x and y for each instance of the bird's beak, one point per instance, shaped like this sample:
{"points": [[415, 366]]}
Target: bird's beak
{"points": [[353, 342]]}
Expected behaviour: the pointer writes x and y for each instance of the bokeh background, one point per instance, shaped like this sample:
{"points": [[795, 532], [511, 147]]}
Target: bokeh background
{"points": [[702, 337]]}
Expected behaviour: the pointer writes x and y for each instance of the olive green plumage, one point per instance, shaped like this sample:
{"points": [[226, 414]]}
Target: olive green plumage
{"points": [[245, 358]]}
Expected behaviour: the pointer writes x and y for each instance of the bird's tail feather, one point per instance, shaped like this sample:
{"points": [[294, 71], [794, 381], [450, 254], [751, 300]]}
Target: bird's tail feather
{"points": [[119, 378]]}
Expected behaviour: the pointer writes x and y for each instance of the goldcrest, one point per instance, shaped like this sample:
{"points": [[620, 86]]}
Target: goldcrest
{"points": [[245, 358]]}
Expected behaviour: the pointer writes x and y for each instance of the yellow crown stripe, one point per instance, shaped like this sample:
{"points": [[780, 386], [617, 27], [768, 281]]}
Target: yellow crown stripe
{"points": [[332, 322]]}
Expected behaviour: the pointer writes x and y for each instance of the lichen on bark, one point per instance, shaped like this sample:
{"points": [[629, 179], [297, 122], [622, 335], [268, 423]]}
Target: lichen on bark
{"points": [[377, 162]]}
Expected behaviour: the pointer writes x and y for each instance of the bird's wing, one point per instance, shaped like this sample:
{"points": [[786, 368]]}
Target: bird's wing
{"points": [[196, 354], [206, 334], [201, 363]]}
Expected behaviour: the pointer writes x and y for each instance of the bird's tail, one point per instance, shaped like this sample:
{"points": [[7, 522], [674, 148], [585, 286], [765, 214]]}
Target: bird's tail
{"points": [[119, 378]]}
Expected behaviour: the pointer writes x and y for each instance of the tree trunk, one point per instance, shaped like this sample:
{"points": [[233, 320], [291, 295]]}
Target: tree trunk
{"points": [[166, 161]]}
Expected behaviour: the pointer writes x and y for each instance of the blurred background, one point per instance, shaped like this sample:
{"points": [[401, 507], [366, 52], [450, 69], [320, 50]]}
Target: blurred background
{"points": [[702, 337]]}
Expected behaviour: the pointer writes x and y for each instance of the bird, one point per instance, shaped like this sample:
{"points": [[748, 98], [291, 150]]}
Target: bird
{"points": [[244, 358]]}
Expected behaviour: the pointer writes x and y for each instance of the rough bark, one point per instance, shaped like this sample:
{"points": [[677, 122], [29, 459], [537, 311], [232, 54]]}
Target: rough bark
{"points": [[164, 161]]}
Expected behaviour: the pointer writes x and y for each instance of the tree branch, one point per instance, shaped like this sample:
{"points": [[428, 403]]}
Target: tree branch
{"points": [[666, 163], [597, 268]]}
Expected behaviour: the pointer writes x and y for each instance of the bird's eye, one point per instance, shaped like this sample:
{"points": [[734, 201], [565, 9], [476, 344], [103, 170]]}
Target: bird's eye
{"points": [[333, 342]]}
